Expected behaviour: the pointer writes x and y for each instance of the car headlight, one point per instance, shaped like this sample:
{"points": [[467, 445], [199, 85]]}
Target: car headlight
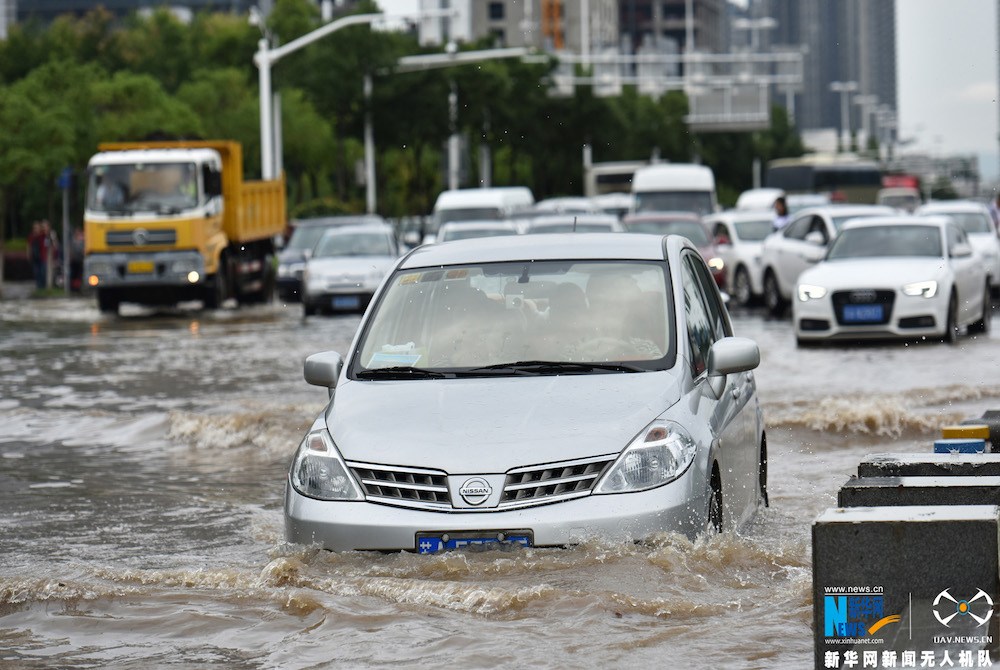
{"points": [[809, 292], [716, 263], [660, 454], [318, 471], [926, 289]]}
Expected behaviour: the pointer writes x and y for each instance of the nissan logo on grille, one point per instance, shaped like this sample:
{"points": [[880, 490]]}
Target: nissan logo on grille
{"points": [[866, 295], [140, 236], [475, 491]]}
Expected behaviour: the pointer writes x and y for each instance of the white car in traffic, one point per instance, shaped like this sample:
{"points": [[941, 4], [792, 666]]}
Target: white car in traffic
{"points": [[739, 236], [801, 244], [346, 266], [975, 219], [903, 276]]}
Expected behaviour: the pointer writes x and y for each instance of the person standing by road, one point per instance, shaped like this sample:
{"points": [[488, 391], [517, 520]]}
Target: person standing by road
{"points": [[37, 253], [780, 212]]}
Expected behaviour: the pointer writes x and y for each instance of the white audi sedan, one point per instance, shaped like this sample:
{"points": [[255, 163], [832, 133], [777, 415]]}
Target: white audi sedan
{"points": [[903, 276], [535, 391]]}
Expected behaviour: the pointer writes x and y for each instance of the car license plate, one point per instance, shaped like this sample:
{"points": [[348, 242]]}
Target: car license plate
{"points": [[432, 543], [346, 302], [140, 267], [863, 313]]}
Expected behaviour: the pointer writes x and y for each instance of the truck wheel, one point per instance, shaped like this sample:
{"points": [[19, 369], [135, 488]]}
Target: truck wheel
{"points": [[216, 291], [107, 301]]}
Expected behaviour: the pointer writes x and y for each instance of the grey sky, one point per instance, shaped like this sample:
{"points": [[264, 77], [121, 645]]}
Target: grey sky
{"points": [[947, 76]]}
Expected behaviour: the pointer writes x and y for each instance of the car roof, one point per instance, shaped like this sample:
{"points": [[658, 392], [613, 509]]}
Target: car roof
{"points": [[741, 215], [549, 246], [345, 220], [362, 228], [952, 206], [898, 220], [662, 216], [846, 209], [478, 225]]}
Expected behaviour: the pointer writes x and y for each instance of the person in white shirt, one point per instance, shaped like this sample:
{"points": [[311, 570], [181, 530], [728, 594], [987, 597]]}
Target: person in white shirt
{"points": [[780, 212]]}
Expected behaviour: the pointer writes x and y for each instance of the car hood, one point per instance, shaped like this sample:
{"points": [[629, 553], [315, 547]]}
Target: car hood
{"points": [[873, 273], [356, 265], [490, 425]]}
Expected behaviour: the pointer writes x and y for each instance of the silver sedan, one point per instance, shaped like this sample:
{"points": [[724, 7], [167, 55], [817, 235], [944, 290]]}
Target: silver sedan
{"points": [[533, 391]]}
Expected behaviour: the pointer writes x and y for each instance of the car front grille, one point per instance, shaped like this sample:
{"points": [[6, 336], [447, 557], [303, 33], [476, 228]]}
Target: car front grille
{"points": [[841, 299], [140, 237], [422, 488], [537, 485], [404, 487]]}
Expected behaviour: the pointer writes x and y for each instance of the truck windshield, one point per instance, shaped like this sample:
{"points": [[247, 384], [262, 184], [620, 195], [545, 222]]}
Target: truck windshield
{"points": [[699, 202], [143, 187]]}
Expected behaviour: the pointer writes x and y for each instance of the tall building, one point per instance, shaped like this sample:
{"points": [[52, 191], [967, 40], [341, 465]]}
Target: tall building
{"points": [[551, 25], [843, 41], [642, 21], [8, 15]]}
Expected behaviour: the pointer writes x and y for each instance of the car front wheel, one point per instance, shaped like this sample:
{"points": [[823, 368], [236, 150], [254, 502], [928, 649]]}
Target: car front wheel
{"points": [[772, 295], [983, 325], [741, 287]]}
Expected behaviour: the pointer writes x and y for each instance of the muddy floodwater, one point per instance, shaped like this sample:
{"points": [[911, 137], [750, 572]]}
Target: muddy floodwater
{"points": [[143, 460]]}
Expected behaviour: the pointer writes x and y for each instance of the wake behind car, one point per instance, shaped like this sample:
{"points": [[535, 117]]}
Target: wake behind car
{"points": [[537, 392], [903, 276], [345, 268]]}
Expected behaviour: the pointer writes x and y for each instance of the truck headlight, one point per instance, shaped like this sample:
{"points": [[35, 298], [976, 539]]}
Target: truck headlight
{"points": [[660, 454], [809, 292], [318, 471], [926, 289]]}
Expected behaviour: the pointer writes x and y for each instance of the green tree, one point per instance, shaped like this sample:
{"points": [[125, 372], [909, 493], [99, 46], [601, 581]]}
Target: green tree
{"points": [[133, 106]]}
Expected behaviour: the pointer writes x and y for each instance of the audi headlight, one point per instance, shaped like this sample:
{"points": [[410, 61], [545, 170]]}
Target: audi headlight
{"points": [[809, 292], [716, 263], [925, 289], [660, 454], [318, 471]]}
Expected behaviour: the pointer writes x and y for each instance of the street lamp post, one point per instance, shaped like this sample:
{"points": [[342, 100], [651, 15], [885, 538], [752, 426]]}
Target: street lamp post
{"points": [[866, 103], [844, 88]]}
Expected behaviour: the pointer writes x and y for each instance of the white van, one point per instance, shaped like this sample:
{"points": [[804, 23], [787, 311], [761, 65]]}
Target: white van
{"points": [[674, 187], [479, 204]]}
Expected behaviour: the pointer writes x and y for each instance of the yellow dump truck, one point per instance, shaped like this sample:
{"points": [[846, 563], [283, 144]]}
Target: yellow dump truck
{"points": [[167, 222]]}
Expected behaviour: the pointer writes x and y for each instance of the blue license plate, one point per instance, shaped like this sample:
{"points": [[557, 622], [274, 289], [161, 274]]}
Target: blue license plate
{"points": [[863, 313], [432, 543], [346, 302]]}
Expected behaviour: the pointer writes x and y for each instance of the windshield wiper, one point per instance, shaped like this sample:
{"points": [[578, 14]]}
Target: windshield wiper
{"points": [[401, 372], [555, 367]]}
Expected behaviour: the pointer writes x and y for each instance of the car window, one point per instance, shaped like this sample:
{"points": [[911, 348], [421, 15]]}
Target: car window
{"points": [[462, 318], [817, 225], [798, 228], [702, 318], [956, 236]]}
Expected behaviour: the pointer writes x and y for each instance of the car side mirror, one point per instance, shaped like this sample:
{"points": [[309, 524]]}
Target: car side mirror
{"points": [[816, 237], [730, 355], [323, 369], [961, 250]]}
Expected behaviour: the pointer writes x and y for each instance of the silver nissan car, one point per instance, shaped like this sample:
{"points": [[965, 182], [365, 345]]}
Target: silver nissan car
{"points": [[535, 391]]}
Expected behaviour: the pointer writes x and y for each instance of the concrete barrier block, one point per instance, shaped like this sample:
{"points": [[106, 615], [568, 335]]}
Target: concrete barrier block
{"points": [[929, 465], [896, 491], [910, 586]]}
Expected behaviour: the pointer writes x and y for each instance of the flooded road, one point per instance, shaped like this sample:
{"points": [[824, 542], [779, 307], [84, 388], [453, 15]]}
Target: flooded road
{"points": [[143, 460]]}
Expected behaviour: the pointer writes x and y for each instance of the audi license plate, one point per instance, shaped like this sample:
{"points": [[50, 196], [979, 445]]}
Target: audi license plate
{"points": [[432, 543], [863, 313], [346, 302]]}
